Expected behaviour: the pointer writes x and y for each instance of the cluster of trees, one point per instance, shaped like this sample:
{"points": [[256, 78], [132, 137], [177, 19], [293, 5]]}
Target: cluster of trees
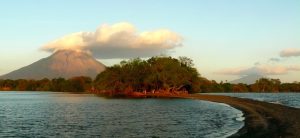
{"points": [[76, 84], [261, 85], [157, 74]]}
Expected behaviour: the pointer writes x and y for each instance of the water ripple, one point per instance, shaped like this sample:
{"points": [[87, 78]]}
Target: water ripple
{"points": [[43, 114]]}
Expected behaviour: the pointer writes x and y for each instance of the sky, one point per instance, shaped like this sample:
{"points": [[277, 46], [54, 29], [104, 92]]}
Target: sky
{"points": [[227, 39]]}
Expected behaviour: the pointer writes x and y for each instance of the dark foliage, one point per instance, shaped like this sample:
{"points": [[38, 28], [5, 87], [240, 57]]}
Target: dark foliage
{"points": [[76, 84], [164, 74]]}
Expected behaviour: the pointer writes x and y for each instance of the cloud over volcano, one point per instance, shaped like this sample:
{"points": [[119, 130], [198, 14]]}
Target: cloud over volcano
{"points": [[121, 40]]}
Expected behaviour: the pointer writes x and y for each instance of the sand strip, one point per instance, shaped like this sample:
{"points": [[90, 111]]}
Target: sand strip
{"points": [[262, 119]]}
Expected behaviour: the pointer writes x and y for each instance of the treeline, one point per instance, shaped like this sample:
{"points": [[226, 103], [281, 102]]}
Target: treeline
{"points": [[76, 84], [261, 85], [155, 75]]}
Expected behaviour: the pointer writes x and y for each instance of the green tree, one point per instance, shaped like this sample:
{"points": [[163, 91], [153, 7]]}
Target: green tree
{"points": [[58, 85], [79, 84], [155, 74]]}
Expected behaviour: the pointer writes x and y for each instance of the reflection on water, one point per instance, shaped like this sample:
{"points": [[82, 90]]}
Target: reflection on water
{"points": [[44, 114], [288, 99]]}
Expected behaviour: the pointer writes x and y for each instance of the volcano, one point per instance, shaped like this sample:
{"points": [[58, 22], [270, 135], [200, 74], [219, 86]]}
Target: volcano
{"points": [[61, 64], [250, 79]]}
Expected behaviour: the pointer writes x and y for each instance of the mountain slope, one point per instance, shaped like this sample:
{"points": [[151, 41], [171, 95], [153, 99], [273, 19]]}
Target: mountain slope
{"points": [[250, 79], [63, 63]]}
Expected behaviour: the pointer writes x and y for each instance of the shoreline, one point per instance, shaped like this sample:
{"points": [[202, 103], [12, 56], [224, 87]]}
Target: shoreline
{"points": [[262, 119], [239, 116]]}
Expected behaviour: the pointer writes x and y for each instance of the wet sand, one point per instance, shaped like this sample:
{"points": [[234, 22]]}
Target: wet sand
{"points": [[262, 119]]}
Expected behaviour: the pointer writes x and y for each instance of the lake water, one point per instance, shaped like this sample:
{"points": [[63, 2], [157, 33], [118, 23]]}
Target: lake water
{"points": [[288, 99], [48, 114]]}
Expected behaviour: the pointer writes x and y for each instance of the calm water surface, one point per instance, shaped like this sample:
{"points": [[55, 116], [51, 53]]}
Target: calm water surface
{"points": [[46, 114], [288, 99]]}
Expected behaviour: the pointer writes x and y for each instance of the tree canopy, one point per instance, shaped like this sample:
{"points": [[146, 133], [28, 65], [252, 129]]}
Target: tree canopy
{"points": [[155, 74], [75, 84]]}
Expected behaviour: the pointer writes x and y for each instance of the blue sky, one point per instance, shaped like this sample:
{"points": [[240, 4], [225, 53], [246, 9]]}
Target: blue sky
{"points": [[223, 37]]}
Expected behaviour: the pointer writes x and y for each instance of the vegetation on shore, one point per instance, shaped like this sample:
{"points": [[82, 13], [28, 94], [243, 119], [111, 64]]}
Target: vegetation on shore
{"points": [[155, 75], [76, 84]]}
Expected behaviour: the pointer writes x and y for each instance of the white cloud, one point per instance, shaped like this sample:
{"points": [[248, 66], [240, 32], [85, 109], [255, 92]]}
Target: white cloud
{"points": [[290, 52], [271, 67], [260, 70], [120, 40]]}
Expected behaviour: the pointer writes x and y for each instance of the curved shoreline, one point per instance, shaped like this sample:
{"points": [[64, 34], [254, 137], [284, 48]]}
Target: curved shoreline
{"points": [[262, 119], [239, 116]]}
